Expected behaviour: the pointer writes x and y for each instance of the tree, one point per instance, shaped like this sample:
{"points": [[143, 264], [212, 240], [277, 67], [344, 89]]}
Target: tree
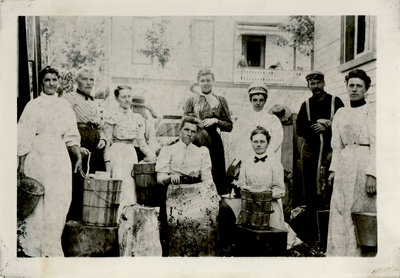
{"points": [[68, 42], [299, 34], [157, 45]]}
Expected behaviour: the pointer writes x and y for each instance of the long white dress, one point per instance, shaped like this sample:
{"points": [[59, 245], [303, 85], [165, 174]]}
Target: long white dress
{"points": [[353, 158], [47, 125]]}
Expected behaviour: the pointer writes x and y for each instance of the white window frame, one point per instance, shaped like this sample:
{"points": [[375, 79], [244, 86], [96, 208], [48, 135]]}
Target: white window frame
{"points": [[369, 53]]}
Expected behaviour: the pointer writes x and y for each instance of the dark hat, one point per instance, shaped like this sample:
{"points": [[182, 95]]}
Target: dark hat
{"points": [[281, 111], [315, 75], [138, 100]]}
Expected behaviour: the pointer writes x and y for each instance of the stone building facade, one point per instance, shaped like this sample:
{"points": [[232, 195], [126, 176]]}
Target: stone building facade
{"points": [[207, 41]]}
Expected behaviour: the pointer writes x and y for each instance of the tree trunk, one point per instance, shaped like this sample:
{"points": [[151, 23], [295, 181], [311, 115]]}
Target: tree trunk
{"points": [[312, 59], [294, 58]]}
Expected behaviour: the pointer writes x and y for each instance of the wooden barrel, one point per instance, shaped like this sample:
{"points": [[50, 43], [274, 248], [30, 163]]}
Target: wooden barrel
{"points": [[256, 208], [147, 189], [101, 201]]}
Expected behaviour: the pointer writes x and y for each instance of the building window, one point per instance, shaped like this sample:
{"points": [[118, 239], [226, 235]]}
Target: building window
{"points": [[358, 40], [253, 49]]}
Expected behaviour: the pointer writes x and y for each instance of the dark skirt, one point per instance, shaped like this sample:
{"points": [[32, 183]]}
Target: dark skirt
{"points": [[90, 138], [211, 139]]}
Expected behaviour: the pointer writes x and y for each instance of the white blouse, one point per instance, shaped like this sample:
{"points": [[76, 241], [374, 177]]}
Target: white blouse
{"points": [[125, 125], [187, 160], [267, 175], [352, 127], [50, 117]]}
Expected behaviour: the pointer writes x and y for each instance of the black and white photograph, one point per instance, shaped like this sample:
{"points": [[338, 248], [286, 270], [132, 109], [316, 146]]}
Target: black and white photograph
{"points": [[216, 145]]}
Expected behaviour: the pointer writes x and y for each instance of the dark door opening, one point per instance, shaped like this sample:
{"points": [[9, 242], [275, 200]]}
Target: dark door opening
{"points": [[254, 50]]}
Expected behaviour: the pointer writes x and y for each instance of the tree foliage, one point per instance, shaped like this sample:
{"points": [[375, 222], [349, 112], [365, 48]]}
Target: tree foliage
{"points": [[298, 33], [69, 42], [157, 43]]}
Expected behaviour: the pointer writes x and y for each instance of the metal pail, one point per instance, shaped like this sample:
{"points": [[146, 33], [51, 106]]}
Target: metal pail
{"points": [[366, 229]]}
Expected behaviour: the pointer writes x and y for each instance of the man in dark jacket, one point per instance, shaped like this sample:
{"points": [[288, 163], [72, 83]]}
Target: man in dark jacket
{"points": [[314, 125]]}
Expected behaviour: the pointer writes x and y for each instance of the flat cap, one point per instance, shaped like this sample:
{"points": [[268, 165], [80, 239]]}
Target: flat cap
{"points": [[315, 75], [138, 101]]}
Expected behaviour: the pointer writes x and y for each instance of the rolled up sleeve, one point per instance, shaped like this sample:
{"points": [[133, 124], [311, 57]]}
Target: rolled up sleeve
{"points": [[26, 130], [278, 185]]}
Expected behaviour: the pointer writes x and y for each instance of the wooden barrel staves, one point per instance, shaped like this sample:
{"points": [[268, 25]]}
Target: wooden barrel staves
{"points": [[101, 201], [256, 208], [147, 190]]}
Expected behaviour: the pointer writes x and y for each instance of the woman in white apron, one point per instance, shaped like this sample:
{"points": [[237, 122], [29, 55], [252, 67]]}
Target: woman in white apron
{"points": [[46, 128]]}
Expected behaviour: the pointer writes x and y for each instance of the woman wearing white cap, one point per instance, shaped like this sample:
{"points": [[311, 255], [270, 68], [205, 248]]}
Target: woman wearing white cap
{"points": [[257, 116]]}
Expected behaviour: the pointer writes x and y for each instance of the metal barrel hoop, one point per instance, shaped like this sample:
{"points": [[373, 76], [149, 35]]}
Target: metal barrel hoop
{"points": [[86, 176]]}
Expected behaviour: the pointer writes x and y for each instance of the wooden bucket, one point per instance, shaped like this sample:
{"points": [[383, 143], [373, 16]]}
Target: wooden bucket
{"points": [[147, 189], [366, 228], [256, 208], [101, 201], [28, 195]]}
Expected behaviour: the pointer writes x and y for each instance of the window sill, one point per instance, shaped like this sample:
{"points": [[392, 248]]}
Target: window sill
{"points": [[363, 59]]}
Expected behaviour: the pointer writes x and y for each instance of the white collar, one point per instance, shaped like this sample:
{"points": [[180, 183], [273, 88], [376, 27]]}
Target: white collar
{"points": [[122, 110], [260, 155], [43, 94], [183, 145]]}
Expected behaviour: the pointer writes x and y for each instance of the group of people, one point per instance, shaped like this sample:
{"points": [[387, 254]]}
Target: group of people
{"points": [[52, 125]]}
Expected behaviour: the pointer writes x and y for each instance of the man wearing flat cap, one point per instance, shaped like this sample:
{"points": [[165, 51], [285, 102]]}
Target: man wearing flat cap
{"points": [[314, 125]]}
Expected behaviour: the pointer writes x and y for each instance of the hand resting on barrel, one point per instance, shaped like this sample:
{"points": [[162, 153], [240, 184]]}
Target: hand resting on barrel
{"points": [[149, 159], [175, 179]]}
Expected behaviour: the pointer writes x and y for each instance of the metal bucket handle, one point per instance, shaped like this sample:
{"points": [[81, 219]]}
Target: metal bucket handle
{"points": [[86, 176]]}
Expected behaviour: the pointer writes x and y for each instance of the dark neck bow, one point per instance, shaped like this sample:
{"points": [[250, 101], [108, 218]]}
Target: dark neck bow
{"points": [[84, 94], [262, 159]]}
